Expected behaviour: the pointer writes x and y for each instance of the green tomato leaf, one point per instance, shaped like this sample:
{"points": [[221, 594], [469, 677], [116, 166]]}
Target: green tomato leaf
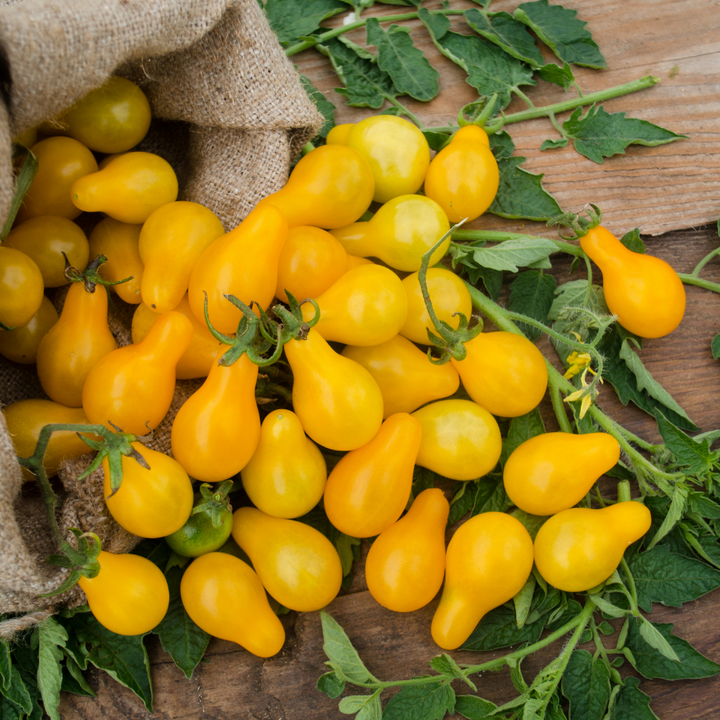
{"points": [[521, 428], [553, 144], [367, 707], [532, 294], [696, 457], [498, 629], [123, 657], [632, 241], [562, 76], [704, 506], [342, 656], [523, 601], [631, 702], [665, 577], [430, 701], [512, 254], [324, 106], [292, 21], [331, 685], [52, 637], [653, 663], [532, 524], [490, 69], [478, 496], [655, 639], [435, 140], [366, 85], [473, 707], [586, 685], [462, 258], [715, 347], [5, 665], [408, 67], [506, 32], [17, 694], [559, 28], [446, 666], [404, 3], [599, 134], [73, 679]]}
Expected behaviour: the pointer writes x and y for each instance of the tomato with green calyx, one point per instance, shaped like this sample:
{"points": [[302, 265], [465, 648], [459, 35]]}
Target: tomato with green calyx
{"points": [[209, 525], [21, 288], [21, 344]]}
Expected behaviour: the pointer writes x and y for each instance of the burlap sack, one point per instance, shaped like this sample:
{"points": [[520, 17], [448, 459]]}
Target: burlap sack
{"points": [[230, 114]]}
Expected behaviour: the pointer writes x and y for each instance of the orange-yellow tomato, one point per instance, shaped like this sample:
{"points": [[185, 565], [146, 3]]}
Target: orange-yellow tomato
{"points": [[21, 288], [21, 344]]}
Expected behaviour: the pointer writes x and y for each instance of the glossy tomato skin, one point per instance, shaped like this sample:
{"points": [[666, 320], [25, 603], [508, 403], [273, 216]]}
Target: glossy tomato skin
{"points": [[463, 178], [21, 288], [332, 186], [44, 239], [26, 418], [368, 489], [149, 503], [504, 373], [296, 563], [338, 402], [129, 596], [74, 345], [61, 161], [21, 345], [133, 386], [579, 548], [643, 291], [217, 430], [224, 596], [199, 536], [460, 439]]}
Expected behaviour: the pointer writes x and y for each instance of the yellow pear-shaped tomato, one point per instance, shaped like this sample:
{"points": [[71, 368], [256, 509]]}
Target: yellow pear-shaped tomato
{"points": [[26, 418], [45, 239], [489, 559], [110, 119], [554, 471], [21, 288], [332, 186], [118, 242], [463, 177], [338, 402], [21, 344], [504, 372], [286, 475], [128, 189], [204, 349], [133, 386], [171, 241], [74, 345], [353, 261], [339, 134], [406, 563], [149, 503], [217, 430], [129, 596], [310, 262], [223, 596], [296, 563], [370, 486], [643, 291], [579, 548], [366, 306], [399, 233], [460, 439], [448, 294], [397, 151], [406, 377], [242, 263], [61, 162]]}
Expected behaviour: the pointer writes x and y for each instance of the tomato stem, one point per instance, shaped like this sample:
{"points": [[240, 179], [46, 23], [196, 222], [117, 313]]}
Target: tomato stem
{"points": [[497, 236], [693, 279]]}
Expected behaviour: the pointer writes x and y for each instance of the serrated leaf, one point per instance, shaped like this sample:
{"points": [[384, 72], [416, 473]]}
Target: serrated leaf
{"points": [[435, 140], [696, 457], [521, 428], [599, 134], [324, 106], [473, 707], [366, 706], [559, 28], [520, 193], [5, 665], [651, 663], [704, 506], [17, 692], [715, 347], [445, 665], [523, 600], [631, 703], [430, 701], [343, 657], [492, 279], [291, 21], [553, 144], [51, 640], [475, 497], [512, 254], [123, 657], [562, 76], [586, 685], [80, 685], [655, 639], [366, 85], [577, 294], [498, 629], [490, 69], [408, 67], [331, 685], [505, 31], [632, 241], [532, 294], [670, 579], [532, 524], [674, 514]]}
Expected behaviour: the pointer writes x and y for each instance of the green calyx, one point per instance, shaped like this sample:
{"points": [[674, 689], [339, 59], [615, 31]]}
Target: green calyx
{"points": [[576, 222], [214, 502], [81, 562], [90, 276]]}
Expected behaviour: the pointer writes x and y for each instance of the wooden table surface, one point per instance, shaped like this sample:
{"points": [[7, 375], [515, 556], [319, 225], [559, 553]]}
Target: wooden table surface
{"points": [[672, 189]]}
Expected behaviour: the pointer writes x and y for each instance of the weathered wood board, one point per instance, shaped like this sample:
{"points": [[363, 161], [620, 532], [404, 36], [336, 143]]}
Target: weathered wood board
{"points": [[668, 188]]}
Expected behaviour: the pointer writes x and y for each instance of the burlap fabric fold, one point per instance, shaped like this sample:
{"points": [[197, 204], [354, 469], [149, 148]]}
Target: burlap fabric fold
{"points": [[229, 115]]}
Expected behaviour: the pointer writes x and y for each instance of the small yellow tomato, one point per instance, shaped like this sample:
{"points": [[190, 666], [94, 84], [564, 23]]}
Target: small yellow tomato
{"points": [[21, 345], [21, 288]]}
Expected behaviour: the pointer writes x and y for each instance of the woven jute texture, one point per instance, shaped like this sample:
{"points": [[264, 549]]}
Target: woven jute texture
{"points": [[229, 115]]}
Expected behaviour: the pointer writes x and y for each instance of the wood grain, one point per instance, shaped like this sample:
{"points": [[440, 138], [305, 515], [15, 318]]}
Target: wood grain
{"points": [[670, 189]]}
